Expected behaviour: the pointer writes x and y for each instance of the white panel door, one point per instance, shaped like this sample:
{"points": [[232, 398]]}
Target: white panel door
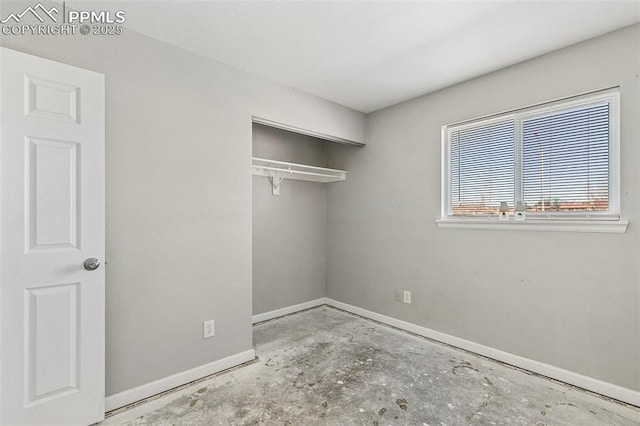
{"points": [[51, 221]]}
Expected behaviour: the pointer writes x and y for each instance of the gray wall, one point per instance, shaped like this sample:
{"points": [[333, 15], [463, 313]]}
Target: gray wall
{"points": [[289, 230], [571, 300], [178, 156]]}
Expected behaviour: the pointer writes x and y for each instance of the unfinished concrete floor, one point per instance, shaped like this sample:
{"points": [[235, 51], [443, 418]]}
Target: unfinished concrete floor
{"points": [[326, 366]]}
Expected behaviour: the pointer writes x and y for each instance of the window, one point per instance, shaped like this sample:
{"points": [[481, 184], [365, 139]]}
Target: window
{"points": [[556, 161]]}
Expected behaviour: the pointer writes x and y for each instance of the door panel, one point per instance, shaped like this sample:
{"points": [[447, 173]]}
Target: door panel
{"points": [[53, 100], [51, 220], [52, 191], [52, 341]]}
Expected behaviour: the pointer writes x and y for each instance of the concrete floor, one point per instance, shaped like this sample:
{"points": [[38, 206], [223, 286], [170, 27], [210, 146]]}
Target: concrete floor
{"points": [[326, 366]]}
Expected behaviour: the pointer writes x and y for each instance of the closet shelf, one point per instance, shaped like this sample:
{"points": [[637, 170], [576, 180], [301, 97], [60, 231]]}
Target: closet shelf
{"points": [[276, 171]]}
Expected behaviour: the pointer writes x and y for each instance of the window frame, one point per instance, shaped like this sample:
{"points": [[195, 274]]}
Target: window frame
{"points": [[609, 221]]}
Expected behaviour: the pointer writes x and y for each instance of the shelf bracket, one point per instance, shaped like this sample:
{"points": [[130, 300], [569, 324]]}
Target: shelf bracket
{"points": [[276, 180]]}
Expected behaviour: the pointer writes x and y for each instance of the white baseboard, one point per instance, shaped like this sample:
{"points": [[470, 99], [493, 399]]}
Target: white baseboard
{"points": [[288, 310], [130, 396], [589, 383]]}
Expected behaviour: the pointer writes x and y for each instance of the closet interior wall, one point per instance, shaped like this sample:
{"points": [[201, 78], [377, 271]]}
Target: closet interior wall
{"points": [[289, 230]]}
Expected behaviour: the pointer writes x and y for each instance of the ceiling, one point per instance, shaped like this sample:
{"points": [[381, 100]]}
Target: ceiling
{"points": [[369, 55]]}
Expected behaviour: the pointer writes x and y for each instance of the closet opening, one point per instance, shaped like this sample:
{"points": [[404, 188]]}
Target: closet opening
{"points": [[291, 177]]}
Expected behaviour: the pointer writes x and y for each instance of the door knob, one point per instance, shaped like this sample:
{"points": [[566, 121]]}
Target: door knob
{"points": [[91, 264]]}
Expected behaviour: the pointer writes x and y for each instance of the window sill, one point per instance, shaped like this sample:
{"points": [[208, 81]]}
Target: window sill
{"points": [[606, 226]]}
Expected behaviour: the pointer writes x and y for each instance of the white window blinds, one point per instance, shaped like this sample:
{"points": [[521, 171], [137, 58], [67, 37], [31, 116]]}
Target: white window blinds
{"points": [[565, 161], [482, 168], [554, 160]]}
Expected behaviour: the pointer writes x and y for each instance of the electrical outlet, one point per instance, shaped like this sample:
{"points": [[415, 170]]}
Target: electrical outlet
{"points": [[398, 295], [407, 296], [209, 329]]}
